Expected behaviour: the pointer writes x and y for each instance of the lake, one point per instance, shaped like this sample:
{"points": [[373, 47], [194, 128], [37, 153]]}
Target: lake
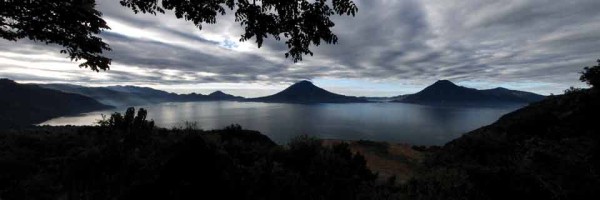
{"points": [[392, 122]]}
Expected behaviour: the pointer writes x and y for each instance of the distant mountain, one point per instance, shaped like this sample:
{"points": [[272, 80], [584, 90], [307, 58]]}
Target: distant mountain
{"points": [[23, 105], [103, 95], [307, 92], [215, 96], [191, 97], [384, 99], [150, 94], [219, 95], [440, 93], [444, 92], [121, 96], [514, 95], [162, 96]]}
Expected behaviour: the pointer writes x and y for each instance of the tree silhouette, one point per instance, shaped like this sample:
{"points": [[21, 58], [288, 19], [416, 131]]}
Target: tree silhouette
{"points": [[591, 75], [75, 24], [72, 24], [128, 122]]}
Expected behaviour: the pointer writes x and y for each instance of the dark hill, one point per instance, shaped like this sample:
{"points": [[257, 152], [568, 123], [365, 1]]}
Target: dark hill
{"points": [[124, 96], [23, 105], [444, 92], [513, 95], [102, 94], [547, 150], [150, 94], [307, 92], [192, 97], [215, 96], [219, 95]]}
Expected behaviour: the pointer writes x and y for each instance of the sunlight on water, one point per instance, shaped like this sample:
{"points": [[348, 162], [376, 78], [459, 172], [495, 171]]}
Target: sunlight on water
{"points": [[394, 122]]}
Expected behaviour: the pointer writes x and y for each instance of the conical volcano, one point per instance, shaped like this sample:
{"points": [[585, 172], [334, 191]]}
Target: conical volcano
{"points": [[307, 92], [444, 92]]}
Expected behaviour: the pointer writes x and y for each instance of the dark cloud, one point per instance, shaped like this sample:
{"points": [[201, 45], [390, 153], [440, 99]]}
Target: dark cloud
{"points": [[520, 42]]}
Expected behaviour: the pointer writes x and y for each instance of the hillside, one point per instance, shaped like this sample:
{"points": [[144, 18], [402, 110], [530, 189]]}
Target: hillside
{"points": [[23, 105], [444, 92], [513, 95], [124, 96], [388, 160], [307, 92], [128, 158], [149, 94], [548, 150], [102, 94], [220, 95]]}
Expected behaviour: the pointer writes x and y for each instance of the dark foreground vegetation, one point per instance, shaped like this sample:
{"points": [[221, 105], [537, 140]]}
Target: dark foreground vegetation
{"points": [[126, 157], [547, 150]]}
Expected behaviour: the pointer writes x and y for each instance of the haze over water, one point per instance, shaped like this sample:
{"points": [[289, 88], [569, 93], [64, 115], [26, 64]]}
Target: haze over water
{"points": [[393, 122]]}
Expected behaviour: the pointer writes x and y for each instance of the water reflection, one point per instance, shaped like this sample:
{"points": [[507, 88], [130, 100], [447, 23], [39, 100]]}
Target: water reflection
{"points": [[394, 122]]}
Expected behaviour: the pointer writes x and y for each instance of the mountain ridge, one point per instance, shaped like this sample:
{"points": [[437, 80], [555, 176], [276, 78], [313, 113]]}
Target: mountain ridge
{"points": [[306, 92], [128, 95], [23, 105], [442, 92], [445, 92], [223, 96]]}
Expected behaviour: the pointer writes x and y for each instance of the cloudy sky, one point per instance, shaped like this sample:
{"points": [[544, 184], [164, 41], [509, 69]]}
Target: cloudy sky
{"points": [[391, 47]]}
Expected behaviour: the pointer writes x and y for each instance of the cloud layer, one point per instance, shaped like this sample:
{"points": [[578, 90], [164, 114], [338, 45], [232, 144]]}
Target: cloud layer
{"points": [[536, 45]]}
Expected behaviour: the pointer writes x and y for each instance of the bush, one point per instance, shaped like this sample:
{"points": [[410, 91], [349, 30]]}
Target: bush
{"points": [[130, 122], [572, 90], [125, 158], [591, 75]]}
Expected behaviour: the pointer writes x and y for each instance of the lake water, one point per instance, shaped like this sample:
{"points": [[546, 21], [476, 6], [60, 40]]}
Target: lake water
{"points": [[392, 122]]}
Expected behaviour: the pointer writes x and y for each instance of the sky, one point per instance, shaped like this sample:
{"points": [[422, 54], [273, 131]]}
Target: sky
{"points": [[391, 47]]}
